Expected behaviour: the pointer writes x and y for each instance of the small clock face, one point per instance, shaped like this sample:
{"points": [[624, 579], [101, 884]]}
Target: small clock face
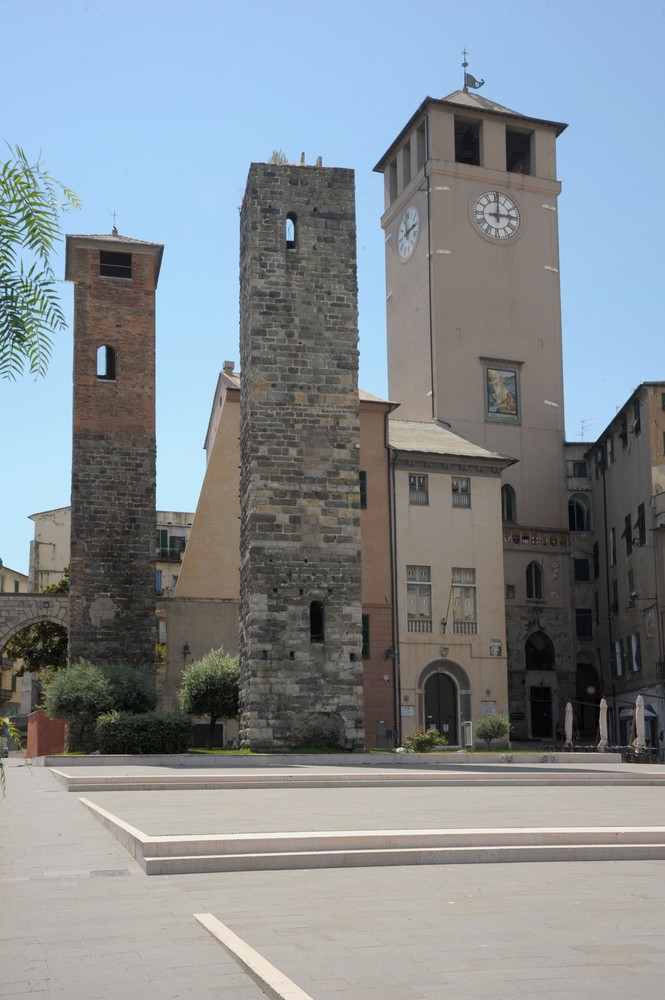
{"points": [[408, 232], [496, 215]]}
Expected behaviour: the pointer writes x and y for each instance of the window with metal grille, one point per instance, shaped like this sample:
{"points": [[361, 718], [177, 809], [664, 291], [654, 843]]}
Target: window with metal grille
{"points": [[461, 492], [418, 489]]}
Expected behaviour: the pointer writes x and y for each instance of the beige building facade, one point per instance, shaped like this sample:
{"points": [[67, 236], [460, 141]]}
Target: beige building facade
{"points": [[622, 621], [474, 342], [204, 614], [451, 634]]}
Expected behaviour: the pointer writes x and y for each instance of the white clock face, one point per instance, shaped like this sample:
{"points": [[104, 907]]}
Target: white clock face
{"points": [[496, 215], [408, 232]]}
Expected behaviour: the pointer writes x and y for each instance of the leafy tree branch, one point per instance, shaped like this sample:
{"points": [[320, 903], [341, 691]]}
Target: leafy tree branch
{"points": [[31, 206]]}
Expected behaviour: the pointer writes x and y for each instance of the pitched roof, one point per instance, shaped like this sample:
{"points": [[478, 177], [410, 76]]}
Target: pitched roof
{"points": [[428, 437]]}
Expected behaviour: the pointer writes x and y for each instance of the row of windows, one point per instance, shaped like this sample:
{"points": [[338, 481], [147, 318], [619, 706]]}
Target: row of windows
{"points": [[462, 600], [606, 454], [419, 490], [579, 519]]}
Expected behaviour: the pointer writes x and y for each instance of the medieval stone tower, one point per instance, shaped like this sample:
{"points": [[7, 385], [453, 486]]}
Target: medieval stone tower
{"points": [[112, 598], [300, 600]]}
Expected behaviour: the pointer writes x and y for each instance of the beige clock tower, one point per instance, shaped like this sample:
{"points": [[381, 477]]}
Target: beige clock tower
{"points": [[474, 343]]}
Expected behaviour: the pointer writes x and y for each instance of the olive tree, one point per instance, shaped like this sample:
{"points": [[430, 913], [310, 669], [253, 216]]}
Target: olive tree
{"points": [[210, 689], [492, 727], [78, 694]]}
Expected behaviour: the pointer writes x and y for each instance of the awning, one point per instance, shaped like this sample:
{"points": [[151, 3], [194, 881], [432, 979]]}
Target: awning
{"points": [[629, 711]]}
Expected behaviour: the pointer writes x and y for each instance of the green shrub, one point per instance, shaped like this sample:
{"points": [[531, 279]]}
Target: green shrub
{"points": [[149, 732], [133, 688], [423, 740], [492, 727]]}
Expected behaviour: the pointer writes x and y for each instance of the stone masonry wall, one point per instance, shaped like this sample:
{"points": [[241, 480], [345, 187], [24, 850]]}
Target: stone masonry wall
{"points": [[300, 511], [112, 598]]}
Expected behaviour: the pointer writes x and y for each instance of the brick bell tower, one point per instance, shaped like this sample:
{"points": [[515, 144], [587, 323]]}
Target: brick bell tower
{"points": [[112, 596], [300, 597]]}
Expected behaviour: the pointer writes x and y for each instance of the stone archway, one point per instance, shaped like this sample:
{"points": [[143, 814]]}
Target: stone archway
{"points": [[19, 611], [444, 693]]}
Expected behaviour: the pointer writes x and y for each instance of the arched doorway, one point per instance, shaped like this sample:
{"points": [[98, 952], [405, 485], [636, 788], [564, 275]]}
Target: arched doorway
{"points": [[539, 657], [444, 698], [441, 706]]}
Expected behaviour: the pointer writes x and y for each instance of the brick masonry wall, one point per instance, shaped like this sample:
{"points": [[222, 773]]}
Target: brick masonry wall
{"points": [[300, 516], [112, 599]]}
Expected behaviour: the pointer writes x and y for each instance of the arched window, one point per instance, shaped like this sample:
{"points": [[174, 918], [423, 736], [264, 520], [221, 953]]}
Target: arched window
{"points": [[579, 513], [316, 623], [534, 581], [539, 652], [508, 505], [106, 363], [291, 231]]}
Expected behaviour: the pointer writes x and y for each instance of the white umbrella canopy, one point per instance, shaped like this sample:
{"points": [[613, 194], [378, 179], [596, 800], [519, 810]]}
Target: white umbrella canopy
{"points": [[640, 729], [568, 725], [602, 725]]}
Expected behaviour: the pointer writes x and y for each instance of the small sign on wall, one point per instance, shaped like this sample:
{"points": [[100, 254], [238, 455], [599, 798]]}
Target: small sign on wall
{"points": [[407, 710]]}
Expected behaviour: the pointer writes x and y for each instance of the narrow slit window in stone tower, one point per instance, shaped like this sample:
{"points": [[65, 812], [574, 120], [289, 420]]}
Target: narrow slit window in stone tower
{"points": [[115, 265], [316, 630], [291, 231], [106, 363]]}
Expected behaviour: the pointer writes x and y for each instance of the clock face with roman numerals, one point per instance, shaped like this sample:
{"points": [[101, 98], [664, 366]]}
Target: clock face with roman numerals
{"points": [[496, 215], [408, 232]]}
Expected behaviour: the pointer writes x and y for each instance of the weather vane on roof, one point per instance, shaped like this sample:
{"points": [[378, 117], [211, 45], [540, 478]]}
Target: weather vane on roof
{"points": [[115, 228], [470, 81]]}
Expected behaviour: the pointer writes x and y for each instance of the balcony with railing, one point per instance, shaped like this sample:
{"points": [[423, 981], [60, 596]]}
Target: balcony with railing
{"points": [[465, 628], [419, 625]]}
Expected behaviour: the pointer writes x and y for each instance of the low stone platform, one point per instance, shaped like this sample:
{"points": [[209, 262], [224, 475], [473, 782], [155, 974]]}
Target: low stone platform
{"points": [[433, 759], [214, 820], [164, 855]]}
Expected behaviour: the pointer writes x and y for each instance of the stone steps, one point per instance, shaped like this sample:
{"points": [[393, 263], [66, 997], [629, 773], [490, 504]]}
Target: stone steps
{"points": [[170, 855], [360, 779]]}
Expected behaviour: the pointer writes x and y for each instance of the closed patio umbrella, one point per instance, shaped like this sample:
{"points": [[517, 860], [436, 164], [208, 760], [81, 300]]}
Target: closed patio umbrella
{"points": [[640, 729], [569, 725], [602, 725]]}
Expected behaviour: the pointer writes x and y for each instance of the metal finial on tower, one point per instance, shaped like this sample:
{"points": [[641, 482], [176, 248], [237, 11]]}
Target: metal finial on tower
{"points": [[469, 80], [114, 231]]}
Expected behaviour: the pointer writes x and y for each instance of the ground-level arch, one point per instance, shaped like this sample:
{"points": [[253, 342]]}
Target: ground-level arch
{"points": [[444, 698], [19, 611]]}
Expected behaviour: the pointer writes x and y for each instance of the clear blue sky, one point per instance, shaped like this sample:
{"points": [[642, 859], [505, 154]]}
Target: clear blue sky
{"points": [[154, 109]]}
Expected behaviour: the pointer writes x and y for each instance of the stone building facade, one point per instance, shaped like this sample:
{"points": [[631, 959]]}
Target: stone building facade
{"points": [[300, 579], [112, 597]]}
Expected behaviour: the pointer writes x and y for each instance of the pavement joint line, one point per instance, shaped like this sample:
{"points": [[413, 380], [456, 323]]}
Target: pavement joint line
{"points": [[268, 978]]}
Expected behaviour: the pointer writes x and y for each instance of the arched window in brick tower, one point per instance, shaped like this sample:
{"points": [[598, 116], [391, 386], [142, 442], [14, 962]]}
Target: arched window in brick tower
{"points": [[106, 363], [316, 622], [291, 231]]}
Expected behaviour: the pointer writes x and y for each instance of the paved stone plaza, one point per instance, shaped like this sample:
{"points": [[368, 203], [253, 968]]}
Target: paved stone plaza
{"points": [[82, 920]]}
